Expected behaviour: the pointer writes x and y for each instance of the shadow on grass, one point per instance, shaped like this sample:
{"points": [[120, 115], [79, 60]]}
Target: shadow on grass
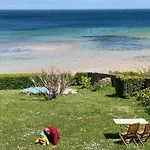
{"points": [[36, 100], [119, 142], [33, 98], [113, 136], [112, 95]]}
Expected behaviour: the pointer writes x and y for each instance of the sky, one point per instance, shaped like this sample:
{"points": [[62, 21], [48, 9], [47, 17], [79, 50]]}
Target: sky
{"points": [[74, 4]]}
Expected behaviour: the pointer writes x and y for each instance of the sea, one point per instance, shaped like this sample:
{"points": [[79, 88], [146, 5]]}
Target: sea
{"points": [[93, 30]]}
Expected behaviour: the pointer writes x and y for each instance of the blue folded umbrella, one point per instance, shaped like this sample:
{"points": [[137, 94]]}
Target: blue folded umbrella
{"points": [[36, 90]]}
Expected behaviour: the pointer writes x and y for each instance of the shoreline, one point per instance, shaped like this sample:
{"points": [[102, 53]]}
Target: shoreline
{"points": [[65, 57]]}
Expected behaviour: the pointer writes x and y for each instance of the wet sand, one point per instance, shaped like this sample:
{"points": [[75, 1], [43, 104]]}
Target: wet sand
{"points": [[66, 57]]}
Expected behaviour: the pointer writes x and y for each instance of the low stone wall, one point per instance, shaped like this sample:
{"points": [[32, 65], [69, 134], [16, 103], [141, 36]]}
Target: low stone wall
{"points": [[95, 77]]}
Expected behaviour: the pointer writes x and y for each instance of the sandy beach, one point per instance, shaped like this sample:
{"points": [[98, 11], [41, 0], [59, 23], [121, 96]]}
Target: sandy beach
{"points": [[65, 57]]}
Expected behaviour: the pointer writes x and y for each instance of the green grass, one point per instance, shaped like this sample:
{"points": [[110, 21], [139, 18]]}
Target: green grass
{"points": [[85, 120]]}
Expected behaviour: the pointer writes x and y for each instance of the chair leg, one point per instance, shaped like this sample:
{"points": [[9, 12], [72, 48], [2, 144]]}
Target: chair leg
{"points": [[148, 137], [123, 140], [140, 140], [135, 142]]}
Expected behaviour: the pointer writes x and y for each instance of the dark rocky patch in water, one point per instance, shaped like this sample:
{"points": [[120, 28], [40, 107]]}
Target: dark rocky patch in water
{"points": [[116, 42], [14, 57], [13, 50]]}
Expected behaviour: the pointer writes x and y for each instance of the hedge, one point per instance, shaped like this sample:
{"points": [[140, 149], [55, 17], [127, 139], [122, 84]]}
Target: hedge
{"points": [[127, 86], [20, 81], [15, 81], [145, 74], [144, 97]]}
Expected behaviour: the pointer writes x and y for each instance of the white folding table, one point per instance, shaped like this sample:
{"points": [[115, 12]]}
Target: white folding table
{"points": [[130, 121]]}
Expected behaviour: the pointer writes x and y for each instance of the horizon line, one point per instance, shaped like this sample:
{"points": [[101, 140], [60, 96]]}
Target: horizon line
{"points": [[82, 9]]}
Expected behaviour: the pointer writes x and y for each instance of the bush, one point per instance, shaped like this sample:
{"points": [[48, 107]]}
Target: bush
{"points": [[127, 86], [15, 81], [96, 87], [145, 73], [55, 81], [85, 82], [144, 97], [77, 80], [69, 76]]}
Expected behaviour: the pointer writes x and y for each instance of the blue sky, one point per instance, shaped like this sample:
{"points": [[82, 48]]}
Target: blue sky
{"points": [[73, 4]]}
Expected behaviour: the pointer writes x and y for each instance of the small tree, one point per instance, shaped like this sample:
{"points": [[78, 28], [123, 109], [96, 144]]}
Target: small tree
{"points": [[54, 81], [85, 82]]}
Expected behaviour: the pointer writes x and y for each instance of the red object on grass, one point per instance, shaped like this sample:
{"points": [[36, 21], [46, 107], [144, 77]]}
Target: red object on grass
{"points": [[53, 137]]}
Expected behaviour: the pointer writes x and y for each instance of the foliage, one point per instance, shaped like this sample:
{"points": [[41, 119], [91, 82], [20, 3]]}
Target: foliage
{"points": [[69, 76], [77, 80], [144, 97], [141, 73], [15, 81], [147, 109], [145, 72], [96, 86], [126, 73], [54, 81], [127, 86], [84, 120], [85, 82]]}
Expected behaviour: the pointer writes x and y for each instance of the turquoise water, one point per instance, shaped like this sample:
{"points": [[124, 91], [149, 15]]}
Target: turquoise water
{"points": [[88, 29]]}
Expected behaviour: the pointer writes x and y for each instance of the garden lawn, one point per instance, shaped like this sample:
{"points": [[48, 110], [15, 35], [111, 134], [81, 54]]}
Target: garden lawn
{"points": [[85, 120]]}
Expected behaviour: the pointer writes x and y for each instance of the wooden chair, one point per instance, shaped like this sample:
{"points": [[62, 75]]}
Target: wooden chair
{"points": [[130, 135], [145, 133]]}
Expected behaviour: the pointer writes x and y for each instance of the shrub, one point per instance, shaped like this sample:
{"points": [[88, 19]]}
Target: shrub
{"points": [[127, 86], [77, 80], [69, 76], [96, 87], [144, 97], [145, 73], [54, 81], [85, 82], [15, 81]]}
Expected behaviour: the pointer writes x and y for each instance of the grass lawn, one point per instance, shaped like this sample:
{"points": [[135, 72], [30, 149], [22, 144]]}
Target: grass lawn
{"points": [[85, 120]]}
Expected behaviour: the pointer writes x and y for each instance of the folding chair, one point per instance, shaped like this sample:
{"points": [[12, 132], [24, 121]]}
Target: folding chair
{"points": [[130, 135], [145, 133]]}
